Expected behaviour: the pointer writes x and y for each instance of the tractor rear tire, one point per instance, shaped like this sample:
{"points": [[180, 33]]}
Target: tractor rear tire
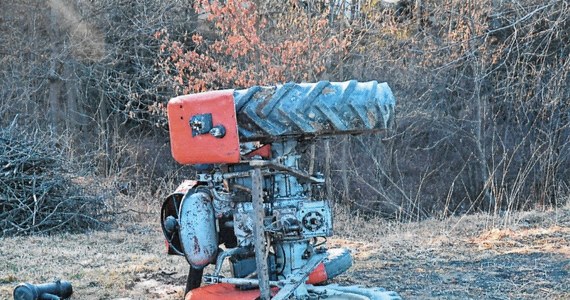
{"points": [[313, 109]]}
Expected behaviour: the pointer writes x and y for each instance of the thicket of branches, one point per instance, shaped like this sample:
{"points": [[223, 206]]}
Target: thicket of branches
{"points": [[482, 87], [483, 110], [37, 192]]}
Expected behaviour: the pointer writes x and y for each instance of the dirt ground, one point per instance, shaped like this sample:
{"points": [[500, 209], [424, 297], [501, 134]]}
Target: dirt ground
{"points": [[470, 257]]}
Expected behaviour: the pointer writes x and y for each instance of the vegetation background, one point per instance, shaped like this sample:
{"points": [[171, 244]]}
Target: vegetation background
{"points": [[483, 91]]}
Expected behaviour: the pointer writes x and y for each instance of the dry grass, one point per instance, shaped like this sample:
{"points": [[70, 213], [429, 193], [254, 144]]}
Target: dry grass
{"points": [[457, 258], [466, 257], [553, 239], [101, 265]]}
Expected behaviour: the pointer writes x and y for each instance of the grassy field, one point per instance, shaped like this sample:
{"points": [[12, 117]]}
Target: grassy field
{"points": [[524, 256]]}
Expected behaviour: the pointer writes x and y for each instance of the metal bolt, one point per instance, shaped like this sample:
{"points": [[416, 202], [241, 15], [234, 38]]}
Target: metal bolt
{"points": [[218, 131]]}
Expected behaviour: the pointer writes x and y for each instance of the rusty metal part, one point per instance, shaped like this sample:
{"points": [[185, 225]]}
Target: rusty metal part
{"points": [[300, 174], [226, 254], [239, 281], [197, 232], [259, 234]]}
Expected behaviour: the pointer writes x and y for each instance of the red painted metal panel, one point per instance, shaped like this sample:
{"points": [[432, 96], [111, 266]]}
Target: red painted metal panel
{"points": [[203, 148], [224, 291], [319, 275], [263, 151]]}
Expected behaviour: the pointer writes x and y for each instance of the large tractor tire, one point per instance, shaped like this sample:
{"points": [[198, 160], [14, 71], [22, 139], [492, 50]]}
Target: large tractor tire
{"points": [[313, 109]]}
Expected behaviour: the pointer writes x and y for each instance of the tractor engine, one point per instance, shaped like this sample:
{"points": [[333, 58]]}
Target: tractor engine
{"points": [[252, 204]]}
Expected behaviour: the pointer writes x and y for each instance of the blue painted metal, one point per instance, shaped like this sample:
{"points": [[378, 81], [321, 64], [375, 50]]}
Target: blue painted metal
{"points": [[198, 234], [313, 109], [336, 291]]}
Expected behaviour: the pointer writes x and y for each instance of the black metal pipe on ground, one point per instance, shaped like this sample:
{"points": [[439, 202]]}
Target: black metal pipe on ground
{"points": [[46, 291]]}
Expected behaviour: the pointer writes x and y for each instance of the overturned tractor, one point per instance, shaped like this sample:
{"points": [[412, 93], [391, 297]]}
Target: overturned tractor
{"points": [[253, 204]]}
